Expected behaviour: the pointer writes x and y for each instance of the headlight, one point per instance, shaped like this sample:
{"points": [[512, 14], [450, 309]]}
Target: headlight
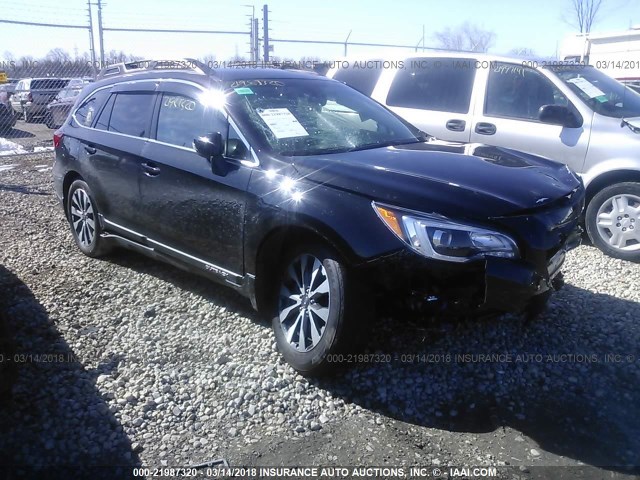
{"points": [[443, 239]]}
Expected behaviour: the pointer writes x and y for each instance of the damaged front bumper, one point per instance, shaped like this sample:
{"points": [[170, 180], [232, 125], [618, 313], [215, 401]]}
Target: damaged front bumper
{"points": [[489, 286]]}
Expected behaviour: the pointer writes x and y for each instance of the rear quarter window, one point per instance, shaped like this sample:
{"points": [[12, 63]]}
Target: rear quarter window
{"points": [[439, 84], [87, 111]]}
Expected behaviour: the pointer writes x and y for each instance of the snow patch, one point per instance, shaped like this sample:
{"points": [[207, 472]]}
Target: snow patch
{"points": [[4, 168], [8, 147]]}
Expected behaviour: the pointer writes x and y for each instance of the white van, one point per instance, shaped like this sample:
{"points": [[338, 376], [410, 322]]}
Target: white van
{"points": [[567, 112]]}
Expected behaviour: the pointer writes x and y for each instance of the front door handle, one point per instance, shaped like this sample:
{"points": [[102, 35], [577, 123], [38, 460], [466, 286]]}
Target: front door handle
{"points": [[90, 150], [150, 169], [456, 125], [484, 128]]}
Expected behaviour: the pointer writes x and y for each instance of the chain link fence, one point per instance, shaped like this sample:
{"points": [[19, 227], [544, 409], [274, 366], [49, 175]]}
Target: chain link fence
{"points": [[36, 96]]}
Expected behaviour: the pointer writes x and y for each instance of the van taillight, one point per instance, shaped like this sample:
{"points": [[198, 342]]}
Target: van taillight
{"points": [[57, 138]]}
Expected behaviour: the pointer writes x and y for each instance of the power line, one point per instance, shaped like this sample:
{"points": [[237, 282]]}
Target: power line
{"points": [[37, 24], [168, 30]]}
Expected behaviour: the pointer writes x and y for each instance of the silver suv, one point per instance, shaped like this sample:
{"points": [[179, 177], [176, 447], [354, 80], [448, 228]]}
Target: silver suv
{"points": [[32, 95], [571, 113]]}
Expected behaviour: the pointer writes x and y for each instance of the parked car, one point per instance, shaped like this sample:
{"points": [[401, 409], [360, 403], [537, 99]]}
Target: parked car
{"points": [[59, 108], [32, 95], [563, 111], [7, 117], [311, 199]]}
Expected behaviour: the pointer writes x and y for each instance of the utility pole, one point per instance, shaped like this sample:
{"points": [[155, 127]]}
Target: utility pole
{"points": [[92, 45], [100, 34], [346, 43], [253, 54], [265, 29], [256, 40]]}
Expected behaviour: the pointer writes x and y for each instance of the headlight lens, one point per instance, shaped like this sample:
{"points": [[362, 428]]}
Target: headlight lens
{"points": [[444, 239]]}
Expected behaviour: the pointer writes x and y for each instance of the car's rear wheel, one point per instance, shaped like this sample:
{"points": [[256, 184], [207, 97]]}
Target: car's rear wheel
{"points": [[613, 220], [321, 312], [82, 213], [48, 120]]}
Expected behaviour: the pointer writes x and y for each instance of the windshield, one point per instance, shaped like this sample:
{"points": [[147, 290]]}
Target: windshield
{"points": [[602, 93], [298, 117]]}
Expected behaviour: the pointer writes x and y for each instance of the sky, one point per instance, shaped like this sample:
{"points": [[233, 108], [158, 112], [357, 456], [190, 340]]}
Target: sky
{"points": [[538, 25]]}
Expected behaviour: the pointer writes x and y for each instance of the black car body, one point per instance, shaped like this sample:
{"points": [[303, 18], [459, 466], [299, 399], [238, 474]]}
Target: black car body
{"points": [[311, 200], [7, 117]]}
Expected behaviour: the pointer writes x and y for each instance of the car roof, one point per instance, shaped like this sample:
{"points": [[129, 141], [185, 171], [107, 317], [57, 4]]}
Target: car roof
{"points": [[526, 60], [217, 75]]}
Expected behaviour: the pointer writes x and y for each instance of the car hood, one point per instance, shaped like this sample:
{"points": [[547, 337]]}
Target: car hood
{"points": [[463, 180]]}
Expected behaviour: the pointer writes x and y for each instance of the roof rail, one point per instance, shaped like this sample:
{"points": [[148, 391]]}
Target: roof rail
{"points": [[149, 65]]}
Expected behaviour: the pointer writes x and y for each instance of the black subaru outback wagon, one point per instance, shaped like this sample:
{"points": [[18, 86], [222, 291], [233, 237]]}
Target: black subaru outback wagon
{"points": [[309, 198]]}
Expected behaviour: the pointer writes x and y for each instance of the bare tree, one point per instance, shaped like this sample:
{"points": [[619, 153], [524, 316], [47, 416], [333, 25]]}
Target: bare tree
{"points": [[58, 55], [584, 14], [522, 52], [467, 37]]}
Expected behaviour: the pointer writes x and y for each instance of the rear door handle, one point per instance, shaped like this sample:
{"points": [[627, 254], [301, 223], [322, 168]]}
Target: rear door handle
{"points": [[90, 150], [150, 169], [456, 125], [484, 128]]}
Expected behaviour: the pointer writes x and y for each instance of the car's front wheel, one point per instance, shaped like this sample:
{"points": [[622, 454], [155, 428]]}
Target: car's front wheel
{"points": [[321, 313], [613, 220], [82, 213]]}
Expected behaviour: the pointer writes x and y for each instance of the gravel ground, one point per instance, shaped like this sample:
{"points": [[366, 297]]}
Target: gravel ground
{"points": [[125, 361]]}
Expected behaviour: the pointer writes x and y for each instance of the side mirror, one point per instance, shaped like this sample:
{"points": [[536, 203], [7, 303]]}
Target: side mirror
{"points": [[211, 147], [559, 115]]}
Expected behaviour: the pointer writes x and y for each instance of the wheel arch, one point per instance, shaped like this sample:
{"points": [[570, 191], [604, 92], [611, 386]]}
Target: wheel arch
{"points": [[274, 247], [609, 178], [69, 178]]}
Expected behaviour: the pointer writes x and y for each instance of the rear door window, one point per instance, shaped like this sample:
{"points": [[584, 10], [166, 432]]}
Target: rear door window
{"points": [[362, 79], [131, 113], [103, 120], [439, 84]]}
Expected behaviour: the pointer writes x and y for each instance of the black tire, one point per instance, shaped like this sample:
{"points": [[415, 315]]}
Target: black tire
{"points": [[82, 213], [625, 223], [348, 314], [48, 120]]}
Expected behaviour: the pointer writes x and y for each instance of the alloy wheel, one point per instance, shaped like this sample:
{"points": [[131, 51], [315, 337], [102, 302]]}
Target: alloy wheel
{"points": [[304, 302], [83, 217]]}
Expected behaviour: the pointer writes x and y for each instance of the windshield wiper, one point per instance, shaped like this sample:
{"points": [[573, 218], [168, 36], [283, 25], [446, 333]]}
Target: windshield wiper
{"points": [[390, 143], [632, 127], [304, 153]]}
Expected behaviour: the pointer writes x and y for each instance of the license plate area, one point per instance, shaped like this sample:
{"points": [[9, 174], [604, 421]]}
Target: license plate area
{"points": [[553, 267]]}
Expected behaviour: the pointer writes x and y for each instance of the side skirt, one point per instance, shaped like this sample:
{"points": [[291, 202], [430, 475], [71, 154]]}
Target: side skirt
{"points": [[129, 239]]}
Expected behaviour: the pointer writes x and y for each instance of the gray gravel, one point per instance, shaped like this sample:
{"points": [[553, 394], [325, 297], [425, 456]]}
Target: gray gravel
{"points": [[162, 368]]}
